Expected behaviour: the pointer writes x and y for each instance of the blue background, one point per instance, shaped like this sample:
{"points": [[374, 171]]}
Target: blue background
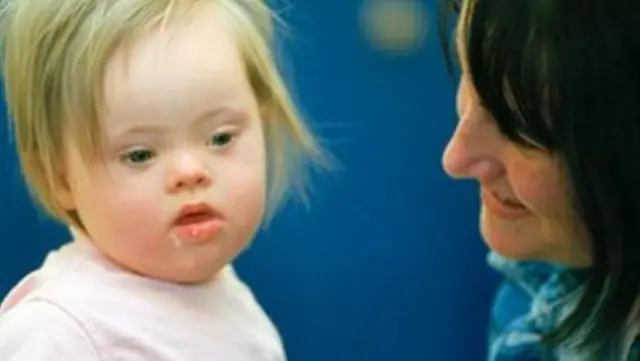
{"points": [[387, 263]]}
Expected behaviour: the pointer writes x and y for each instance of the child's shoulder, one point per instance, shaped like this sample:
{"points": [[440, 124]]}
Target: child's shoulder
{"points": [[41, 318], [221, 317], [37, 331], [69, 278]]}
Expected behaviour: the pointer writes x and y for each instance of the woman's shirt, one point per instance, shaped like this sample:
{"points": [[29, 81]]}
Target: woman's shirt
{"points": [[531, 301]]}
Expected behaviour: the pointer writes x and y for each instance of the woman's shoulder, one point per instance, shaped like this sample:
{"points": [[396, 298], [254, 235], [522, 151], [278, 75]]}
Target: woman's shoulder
{"points": [[634, 351]]}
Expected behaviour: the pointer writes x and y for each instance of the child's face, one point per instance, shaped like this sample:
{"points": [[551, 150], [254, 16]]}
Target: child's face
{"points": [[182, 127]]}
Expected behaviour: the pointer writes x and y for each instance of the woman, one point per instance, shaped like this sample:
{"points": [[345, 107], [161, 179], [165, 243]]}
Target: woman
{"points": [[549, 126]]}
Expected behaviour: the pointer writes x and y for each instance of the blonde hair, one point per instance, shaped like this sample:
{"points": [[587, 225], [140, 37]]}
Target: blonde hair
{"points": [[54, 54]]}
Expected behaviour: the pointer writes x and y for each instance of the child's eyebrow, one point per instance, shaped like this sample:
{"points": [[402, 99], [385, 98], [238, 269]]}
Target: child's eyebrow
{"points": [[223, 112], [138, 130]]}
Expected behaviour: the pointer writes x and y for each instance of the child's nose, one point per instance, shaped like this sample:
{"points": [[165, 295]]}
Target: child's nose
{"points": [[189, 172]]}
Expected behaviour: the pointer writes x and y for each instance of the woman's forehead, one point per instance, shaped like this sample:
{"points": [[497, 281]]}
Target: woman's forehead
{"points": [[457, 5], [460, 44], [461, 30]]}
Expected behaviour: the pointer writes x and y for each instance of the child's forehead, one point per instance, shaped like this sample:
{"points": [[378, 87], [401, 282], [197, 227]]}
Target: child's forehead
{"points": [[183, 69], [209, 27], [174, 57]]}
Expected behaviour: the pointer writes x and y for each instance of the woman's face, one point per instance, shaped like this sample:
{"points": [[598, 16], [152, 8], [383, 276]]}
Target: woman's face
{"points": [[526, 210]]}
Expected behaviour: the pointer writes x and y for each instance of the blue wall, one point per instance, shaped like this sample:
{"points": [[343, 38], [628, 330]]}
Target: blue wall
{"points": [[387, 263]]}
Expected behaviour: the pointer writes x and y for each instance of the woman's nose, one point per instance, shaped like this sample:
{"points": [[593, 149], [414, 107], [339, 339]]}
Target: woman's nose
{"points": [[474, 148]]}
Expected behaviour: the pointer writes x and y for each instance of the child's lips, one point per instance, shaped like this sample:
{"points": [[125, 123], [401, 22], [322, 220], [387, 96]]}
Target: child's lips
{"points": [[199, 232], [194, 218], [197, 223]]}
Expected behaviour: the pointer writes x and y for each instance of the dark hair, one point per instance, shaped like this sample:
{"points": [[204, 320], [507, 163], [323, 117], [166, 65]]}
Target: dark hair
{"points": [[564, 76]]}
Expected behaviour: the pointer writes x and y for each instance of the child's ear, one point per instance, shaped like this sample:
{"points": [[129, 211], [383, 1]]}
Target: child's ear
{"points": [[265, 111], [62, 190], [54, 180]]}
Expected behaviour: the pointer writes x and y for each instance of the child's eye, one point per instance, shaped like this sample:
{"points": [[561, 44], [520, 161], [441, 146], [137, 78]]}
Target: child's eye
{"points": [[222, 139], [139, 156]]}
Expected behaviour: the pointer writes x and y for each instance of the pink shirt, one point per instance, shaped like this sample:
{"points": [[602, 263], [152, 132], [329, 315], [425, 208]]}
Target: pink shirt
{"points": [[80, 307]]}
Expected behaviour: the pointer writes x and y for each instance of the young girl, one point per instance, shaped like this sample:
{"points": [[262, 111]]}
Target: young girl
{"points": [[549, 126], [162, 134]]}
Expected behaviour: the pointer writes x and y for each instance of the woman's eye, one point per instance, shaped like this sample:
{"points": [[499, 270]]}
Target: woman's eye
{"points": [[139, 156], [221, 139]]}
